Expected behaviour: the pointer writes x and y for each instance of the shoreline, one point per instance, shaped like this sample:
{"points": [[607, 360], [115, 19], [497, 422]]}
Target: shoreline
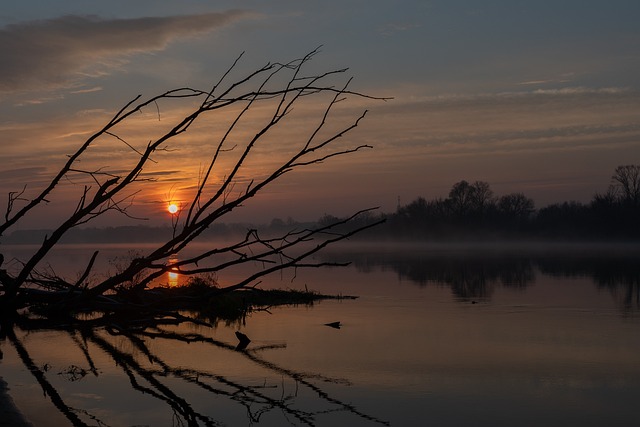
{"points": [[10, 416]]}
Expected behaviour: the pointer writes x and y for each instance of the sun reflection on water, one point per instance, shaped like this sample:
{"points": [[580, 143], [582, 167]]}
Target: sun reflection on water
{"points": [[173, 277]]}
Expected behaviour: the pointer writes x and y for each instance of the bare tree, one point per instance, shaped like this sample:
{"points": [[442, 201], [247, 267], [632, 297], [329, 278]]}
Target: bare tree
{"points": [[625, 184], [461, 197], [466, 198], [516, 206], [276, 86], [482, 196]]}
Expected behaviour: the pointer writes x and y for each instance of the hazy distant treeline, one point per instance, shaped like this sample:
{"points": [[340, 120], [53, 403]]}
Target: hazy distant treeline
{"points": [[470, 211]]}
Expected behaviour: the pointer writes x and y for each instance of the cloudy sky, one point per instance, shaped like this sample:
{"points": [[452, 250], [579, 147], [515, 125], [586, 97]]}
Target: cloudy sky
{"points": [[536, 97]]}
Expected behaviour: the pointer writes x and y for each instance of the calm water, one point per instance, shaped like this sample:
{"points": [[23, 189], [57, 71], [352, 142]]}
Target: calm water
{"points": [[443, 336]]}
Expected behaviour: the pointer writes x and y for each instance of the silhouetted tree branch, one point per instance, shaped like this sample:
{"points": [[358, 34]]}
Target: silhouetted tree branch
{"points": [[277, 86], [626, 184]]}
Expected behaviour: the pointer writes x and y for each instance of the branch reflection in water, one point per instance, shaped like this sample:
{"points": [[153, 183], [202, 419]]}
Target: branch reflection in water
{"points": [[188, 384]]}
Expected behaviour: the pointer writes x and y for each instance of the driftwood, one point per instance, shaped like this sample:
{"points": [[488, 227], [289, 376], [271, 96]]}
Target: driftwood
{"points": [[274, 88]]}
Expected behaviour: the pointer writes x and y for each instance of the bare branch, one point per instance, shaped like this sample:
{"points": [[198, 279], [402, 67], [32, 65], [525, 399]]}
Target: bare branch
{"points": [[13, 197], [210, 201], [129, 145]]}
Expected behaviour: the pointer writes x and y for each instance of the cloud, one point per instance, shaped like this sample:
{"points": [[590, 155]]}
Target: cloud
{"points": [[530, 96], [93, 89], [516, 124], [21, 173], [54, 52]]}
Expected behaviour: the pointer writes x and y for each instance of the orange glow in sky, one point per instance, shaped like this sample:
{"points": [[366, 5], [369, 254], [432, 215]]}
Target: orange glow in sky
{"points": [[173, 208]]}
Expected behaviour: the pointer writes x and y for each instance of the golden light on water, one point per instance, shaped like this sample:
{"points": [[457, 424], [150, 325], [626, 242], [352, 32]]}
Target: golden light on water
{"points": [[173, 277]]}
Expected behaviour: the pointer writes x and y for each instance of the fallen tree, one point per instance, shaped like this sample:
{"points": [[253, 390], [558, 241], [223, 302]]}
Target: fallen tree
{"points": [[222, 186]]}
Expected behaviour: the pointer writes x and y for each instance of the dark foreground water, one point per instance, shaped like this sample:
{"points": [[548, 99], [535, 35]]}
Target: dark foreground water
{"points": [[441, 336]]}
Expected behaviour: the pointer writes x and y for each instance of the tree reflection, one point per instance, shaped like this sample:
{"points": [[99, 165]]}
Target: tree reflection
{"points": [[470, 276], [284, 392], [474, 274], [619, 274]]}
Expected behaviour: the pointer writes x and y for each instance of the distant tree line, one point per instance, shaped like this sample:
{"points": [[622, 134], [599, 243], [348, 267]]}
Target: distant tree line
{"points": [[471, 210]]}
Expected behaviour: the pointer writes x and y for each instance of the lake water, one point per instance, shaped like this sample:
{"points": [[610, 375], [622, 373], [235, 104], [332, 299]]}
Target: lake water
{"points": [[440, 335]]}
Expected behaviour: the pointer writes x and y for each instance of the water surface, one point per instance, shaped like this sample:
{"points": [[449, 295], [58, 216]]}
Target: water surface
{"points": [[443, 336]]}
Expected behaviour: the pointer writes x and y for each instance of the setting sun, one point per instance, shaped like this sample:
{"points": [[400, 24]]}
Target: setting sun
{"points": [[173, 208]]}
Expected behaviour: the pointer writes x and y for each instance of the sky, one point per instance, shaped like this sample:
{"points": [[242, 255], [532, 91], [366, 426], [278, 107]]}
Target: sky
{"points": [[535, 97]]}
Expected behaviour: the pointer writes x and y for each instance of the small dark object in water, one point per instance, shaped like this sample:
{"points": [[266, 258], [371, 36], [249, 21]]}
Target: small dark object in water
{"points": [[474, 302], [244, 341], [335, 325]]}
